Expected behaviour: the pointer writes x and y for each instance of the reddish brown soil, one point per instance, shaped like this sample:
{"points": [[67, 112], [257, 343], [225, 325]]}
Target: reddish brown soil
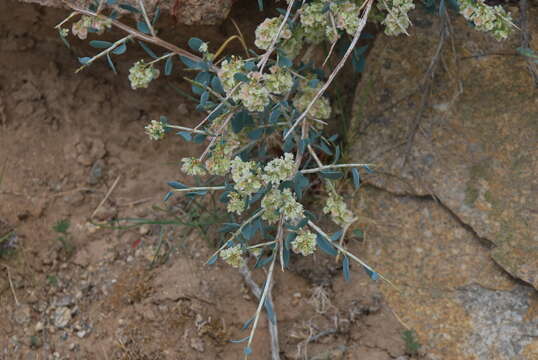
{"points": [[55, 127]]}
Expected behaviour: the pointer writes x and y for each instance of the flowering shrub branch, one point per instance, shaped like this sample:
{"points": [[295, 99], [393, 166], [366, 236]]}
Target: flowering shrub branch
{"points": [[264, 123]]}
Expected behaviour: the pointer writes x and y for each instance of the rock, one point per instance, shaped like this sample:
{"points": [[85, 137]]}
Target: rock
{"points": [[66, 300], [197, 344], [61, 317], [144, 229], [39, 326], [106, 213], [22, 314], [96, 172], [478, 157], [462, 211], [81, 258], [187, 12]]}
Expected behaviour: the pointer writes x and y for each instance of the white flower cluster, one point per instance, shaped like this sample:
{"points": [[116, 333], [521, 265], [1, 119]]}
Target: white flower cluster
{"points": [[255, 94], [277, 202], [192, 166], [337, 208], [279, 169], [155, 130], [279, 81], [397, 21], [320, 110], [221, 156], [304, 243], [233, 256], [486, 18], [267, 31], [322, 19], [245, 176], [80, 28], [236, 203], [228, 68], [141, 74]]}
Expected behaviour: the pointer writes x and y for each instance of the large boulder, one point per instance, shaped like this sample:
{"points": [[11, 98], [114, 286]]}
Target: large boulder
{"points": [[187, 12], [452, 219]]}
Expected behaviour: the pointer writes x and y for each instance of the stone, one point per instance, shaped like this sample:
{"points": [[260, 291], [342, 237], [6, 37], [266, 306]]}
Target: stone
{"points": [[197, 344], [66, 300], [61, 317], [187, 12], [22, 314], [455, 221], [96, 172]]}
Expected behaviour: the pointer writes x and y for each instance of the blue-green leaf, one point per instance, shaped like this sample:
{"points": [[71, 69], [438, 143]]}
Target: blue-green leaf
{"points": [[185, 135], [247, 351], [283, 61], [212, 260], [111, 2], [228, 227], [99, 44], [168, 66], [191, 64], [255, 134], [274, 116], [216, 85], [260, 5], [195, 43], [129, 8], [156, 16], [147, 50], [84, 60], [241, 77], [270, 313], [177, 185], [247, 323], [240, 340], [143, 27], [345, 268], [111, 64], [358, 233], [372, 274], [331, 174], [120, 49], [356, 178], [313, 83], [324, 245], [168, 195]]}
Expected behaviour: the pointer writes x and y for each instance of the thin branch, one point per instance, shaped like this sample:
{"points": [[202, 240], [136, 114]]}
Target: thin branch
{"points": [[11, 286], [238, 231], [346, 252], [273, 328], [214, 139], [268, 282], [106, 196], [336, 70], [137, 34], [200, 188], [104, 52], [334, 166], [146, 18], [265, 57]]}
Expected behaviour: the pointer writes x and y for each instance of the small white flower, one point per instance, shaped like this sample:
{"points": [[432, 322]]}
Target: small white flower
{"points": [[192, 166], [277, 202], [236, 203], [203, 47], [397, 20], [267, 30], [228, 69], [304, 243], [155, 130], [279, 81], [337, 208], [254, 95], [141, 74], [233, 256], [321, 108], [314, 21], [279, 169], [64, 32], [486, 18], [245, 176]]}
